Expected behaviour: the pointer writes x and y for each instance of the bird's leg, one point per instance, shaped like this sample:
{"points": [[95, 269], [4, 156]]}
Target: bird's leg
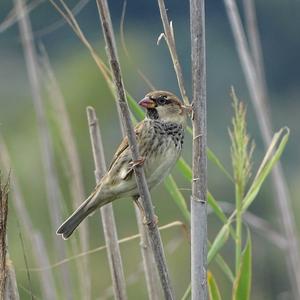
{"points": [[142, 211]]}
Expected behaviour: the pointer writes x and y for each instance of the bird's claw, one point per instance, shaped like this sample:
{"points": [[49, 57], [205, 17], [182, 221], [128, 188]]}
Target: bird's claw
{"points": [[138, 162], [153, 222]]}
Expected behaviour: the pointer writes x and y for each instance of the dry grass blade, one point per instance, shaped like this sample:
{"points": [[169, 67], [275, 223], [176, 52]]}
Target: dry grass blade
{"points": [[65, 127], [52, 186], [46, 278], [139, 172], [248, 66], [281, 193], [67, 137], [107, 214], [101, 248], [170, 40], [58, 24], [255, 46], [48, 290], [199, 184], [12, 16], [67, 14]]}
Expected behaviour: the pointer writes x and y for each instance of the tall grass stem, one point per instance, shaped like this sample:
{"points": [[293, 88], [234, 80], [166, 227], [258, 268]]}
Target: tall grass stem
{"points": [[199, 183], [107, 214], [154, 235]]}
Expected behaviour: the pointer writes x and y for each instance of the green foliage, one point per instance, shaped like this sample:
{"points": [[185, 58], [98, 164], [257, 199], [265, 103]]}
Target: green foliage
{"points": [[241, 154], [271, 157]]}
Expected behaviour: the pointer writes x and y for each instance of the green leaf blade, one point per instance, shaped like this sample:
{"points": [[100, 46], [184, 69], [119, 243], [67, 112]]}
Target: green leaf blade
{"points": [[219, 242], [267, 164]]}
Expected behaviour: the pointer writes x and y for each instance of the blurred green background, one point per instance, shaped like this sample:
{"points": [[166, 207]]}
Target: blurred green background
{"points": [[82, 84]]}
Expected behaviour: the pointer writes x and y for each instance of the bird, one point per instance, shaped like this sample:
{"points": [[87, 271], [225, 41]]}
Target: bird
{"points": [[160, 138]]}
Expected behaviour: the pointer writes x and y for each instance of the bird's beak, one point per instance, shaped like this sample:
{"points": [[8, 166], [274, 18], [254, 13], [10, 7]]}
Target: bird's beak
{"points": [[147, 103]]}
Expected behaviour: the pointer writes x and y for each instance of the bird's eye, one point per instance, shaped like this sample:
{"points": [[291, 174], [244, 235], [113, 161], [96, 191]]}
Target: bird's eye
{"points": [[161, 100]]}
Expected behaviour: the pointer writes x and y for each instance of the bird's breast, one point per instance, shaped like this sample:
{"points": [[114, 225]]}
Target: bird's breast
{"points": [[164, 150]]}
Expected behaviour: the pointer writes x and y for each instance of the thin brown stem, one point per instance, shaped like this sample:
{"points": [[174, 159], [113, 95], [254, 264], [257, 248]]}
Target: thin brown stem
{"points": [[150, 270], [154, 235], [199, 184], [151, 275]]}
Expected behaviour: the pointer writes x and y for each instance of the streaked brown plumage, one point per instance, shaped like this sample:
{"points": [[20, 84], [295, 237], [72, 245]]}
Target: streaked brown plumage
{"points": [[160, 138]]}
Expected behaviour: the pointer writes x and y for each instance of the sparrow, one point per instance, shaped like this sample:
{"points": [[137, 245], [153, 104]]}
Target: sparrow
{"points": [[160, 139]]}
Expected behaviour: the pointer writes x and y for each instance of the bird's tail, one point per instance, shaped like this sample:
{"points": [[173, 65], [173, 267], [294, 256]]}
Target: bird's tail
{"points": [[85, 209]]}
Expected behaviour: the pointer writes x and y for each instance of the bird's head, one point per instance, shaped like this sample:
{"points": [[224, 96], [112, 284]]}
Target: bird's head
{"points": [[165, 106]]}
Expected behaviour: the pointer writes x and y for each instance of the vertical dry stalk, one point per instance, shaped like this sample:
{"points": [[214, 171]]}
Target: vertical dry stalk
{"points": [[247, 66], [49, 293], [11, 289], [53, 191], [68, 140], [150, 270], [8, 282], [154, 235], [199, 184], [41, 258], [255, 46], [107, 214], [280, 189], [3, 246], [73, 167]]}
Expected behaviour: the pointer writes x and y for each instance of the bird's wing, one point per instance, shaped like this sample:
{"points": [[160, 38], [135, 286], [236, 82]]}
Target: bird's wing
{"points": [[124, 145]]}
